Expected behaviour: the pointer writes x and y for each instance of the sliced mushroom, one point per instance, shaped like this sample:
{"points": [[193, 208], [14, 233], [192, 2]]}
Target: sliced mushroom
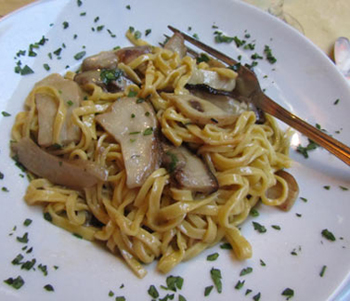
{"points": [[176, 44], [293, 190], [133, 123], [110, 80], [212, 79], [47, 108], [77, 174], [201, 111], [188, 170], [227, 101], [110, 59]]}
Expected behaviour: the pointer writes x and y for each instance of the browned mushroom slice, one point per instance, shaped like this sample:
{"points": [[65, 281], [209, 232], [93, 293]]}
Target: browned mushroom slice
{"points": [[293, 190], [47, 107], [76, 174], [110, 59], [212, 79], [188, 170], [132, 122], [200, 110], [110, 80], [176, 44]]}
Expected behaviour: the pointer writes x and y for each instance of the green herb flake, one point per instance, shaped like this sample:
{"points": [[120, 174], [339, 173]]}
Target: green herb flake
{"points": [[1, 176], [47, 216], [110, 294], [134, 133], [216, 277], [133, 93], [27, 222], [336, 101], [208, 290], [304, 199], [49, 288], [152, 291], [226, 246], [107, 76], [246, 271], [5, 189], [77, 235], [258, 227], [28, 265], [202, 58], [137, 34], [288, 292], [174, 283], [148, 131], [213, 257], [65, 24], [304, 150], [26, 70], [327, 187], [79, 3], [323, 270], [239, 284], [120, 298], [248, 291], [328, 235], [16, 283], [46, 67], [343, 188], [80, 55], [182, 298], [43, 268], [70, 103], [262, 263], [17, 260], [23, 239], [5, 114], [128, 7], [100, 28], [148, 31], [254, 212], [257, 297], [269, 56], [276, 227]]}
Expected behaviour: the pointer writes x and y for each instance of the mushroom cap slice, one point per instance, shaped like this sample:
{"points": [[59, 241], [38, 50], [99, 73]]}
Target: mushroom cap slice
{"points": [[201, 111], [133, 123], [77, 174], [293, 190], [188, 170], [176, 44], [47, 107]]}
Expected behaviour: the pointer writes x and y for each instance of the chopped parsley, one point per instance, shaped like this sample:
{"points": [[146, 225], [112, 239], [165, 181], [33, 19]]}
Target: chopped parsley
{"points": [[79, 3], [288, 292], [174, 159], [336, 101], [17, 260], [49, 288], [27, 222], [80, 55], [239, 284], [202, 58], [128, 7], [276, 227], [173, 283], [226, 246], [328, 235], [258, 227], [26, 70], [120, 298], [65, 24], [47, 216], [304, 150], [137, 34], [107, 75], [254, 212], [16, 283], [152, 291], [343, 188], [148, 131], [216, 277], [132, 93], [269, 56], [213, 257], [5, 114], [246, 271], [23, 239], [147, 32], [208, 290], [262, 263], [323, 270], [46, 67]]}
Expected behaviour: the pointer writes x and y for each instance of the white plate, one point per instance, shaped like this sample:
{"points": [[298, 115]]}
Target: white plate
{"points": [[303, 80]]}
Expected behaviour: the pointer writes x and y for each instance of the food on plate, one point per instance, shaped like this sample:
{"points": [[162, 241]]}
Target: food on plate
{"points": [[145, 149]]}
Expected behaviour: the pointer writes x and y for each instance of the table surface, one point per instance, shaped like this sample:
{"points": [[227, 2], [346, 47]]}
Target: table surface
{"points": [[322, 21]]}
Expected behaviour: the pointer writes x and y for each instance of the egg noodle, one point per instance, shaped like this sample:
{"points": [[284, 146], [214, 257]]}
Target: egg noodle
{"points": [[158, 221]]}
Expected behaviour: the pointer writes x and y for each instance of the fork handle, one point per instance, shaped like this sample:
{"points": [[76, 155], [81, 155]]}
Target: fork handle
{"points": [[327, 142]]}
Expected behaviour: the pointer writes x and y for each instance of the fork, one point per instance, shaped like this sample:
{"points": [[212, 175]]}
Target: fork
{"points": [[248, 87]]}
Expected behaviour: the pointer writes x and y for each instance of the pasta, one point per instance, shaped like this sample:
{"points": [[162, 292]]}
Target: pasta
{"points": [[154, 214]]}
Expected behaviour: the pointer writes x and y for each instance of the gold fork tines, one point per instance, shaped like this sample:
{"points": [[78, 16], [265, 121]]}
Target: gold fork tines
{"points": [[248, 87]]}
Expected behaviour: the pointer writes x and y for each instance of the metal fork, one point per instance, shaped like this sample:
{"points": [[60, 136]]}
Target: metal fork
{"points": [[248, 87]]}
